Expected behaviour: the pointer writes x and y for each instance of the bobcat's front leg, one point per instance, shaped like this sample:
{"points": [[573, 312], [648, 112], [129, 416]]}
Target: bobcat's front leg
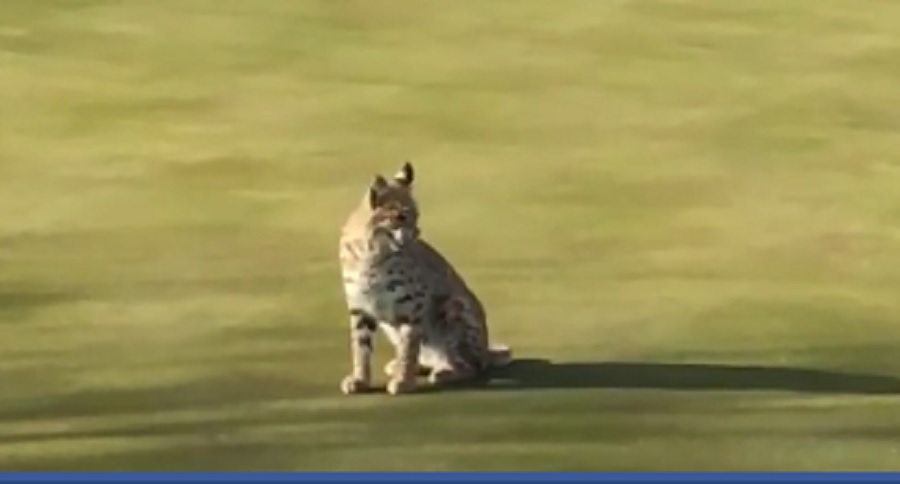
{"points": [[390, 368], [362, 330], [406, 364]]}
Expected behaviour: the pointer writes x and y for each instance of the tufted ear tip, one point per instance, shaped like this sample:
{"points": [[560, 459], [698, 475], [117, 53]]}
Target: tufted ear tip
{"points": [[406, 175]]}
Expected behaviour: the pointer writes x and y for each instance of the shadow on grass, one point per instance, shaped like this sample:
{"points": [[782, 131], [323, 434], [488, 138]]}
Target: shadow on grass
{"points": [[12, 301], [207, 393], [537, 374]]}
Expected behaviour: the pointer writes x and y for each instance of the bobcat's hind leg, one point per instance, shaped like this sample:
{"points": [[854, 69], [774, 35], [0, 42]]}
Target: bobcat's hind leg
{"points": [[453, 371]]}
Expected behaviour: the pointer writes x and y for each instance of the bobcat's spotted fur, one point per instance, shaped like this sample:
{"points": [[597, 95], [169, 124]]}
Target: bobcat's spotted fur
{"points": [[395, 280]]}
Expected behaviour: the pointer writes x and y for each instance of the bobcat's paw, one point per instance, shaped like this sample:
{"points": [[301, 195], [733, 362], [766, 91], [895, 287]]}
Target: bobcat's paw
{"points": [[448, 376], [397, 386], [391, 369], [351, 385], [441, 376]]}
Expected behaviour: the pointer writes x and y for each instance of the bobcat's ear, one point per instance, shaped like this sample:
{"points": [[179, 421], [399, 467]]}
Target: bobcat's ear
{"points": [[378, 186], [406, 175]]}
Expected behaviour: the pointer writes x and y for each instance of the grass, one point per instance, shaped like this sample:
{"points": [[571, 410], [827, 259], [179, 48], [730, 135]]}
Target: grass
{"points": [[681, 214]]}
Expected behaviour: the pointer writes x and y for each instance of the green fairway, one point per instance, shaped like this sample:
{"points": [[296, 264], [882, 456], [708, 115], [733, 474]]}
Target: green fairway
{"points": [[683, 215]]}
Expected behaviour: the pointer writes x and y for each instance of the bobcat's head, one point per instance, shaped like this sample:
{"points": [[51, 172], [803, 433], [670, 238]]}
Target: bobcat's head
{"points": [[393, 213]]}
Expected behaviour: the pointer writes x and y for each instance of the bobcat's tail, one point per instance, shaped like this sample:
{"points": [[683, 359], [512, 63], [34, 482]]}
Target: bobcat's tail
{"points": [[500, 356]]}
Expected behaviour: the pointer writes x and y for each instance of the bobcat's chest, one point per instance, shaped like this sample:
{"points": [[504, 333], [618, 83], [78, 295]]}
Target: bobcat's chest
{"points": [[380, 289]]}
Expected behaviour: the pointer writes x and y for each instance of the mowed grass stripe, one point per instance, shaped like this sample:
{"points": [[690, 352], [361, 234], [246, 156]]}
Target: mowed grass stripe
{"points": [[680, 214]]}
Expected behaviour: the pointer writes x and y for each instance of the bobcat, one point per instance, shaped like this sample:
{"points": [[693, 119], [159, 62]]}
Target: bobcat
{"points": [[396, 280]]}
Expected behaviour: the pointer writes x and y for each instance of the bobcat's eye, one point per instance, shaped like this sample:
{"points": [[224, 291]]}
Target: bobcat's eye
{"points": [[401, 217]]}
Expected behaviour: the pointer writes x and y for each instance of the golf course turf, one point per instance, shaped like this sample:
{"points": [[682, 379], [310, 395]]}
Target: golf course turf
{"points": [[682, 215]]}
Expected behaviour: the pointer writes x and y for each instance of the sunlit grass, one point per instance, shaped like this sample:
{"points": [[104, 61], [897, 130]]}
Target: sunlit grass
{"points": [[688, 207]]}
